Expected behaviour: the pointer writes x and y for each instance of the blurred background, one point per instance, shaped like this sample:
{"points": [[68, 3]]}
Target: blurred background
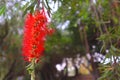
{"points": [[85, 45]]}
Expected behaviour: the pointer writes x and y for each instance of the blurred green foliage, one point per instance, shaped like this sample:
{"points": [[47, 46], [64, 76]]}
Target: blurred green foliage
{"points": [[88, 23]]}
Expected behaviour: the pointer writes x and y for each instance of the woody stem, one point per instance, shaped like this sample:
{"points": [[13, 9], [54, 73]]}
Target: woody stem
{"points": [[33, 71]]}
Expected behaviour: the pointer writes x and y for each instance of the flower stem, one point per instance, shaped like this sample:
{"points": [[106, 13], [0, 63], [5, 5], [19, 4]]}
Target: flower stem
{"points": [[33, 71]]}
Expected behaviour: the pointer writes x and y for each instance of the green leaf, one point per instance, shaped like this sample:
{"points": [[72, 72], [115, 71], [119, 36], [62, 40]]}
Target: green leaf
{"points": [[47, 6], [30, 8], [113, 48], [2, 10]]}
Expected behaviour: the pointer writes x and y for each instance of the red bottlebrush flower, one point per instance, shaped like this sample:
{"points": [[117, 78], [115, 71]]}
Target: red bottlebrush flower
{"points": [[35, 31]]}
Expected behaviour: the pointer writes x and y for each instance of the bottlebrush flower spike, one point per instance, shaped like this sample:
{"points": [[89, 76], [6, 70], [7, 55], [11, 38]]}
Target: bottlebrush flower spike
{"points": [[35, 31]]}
